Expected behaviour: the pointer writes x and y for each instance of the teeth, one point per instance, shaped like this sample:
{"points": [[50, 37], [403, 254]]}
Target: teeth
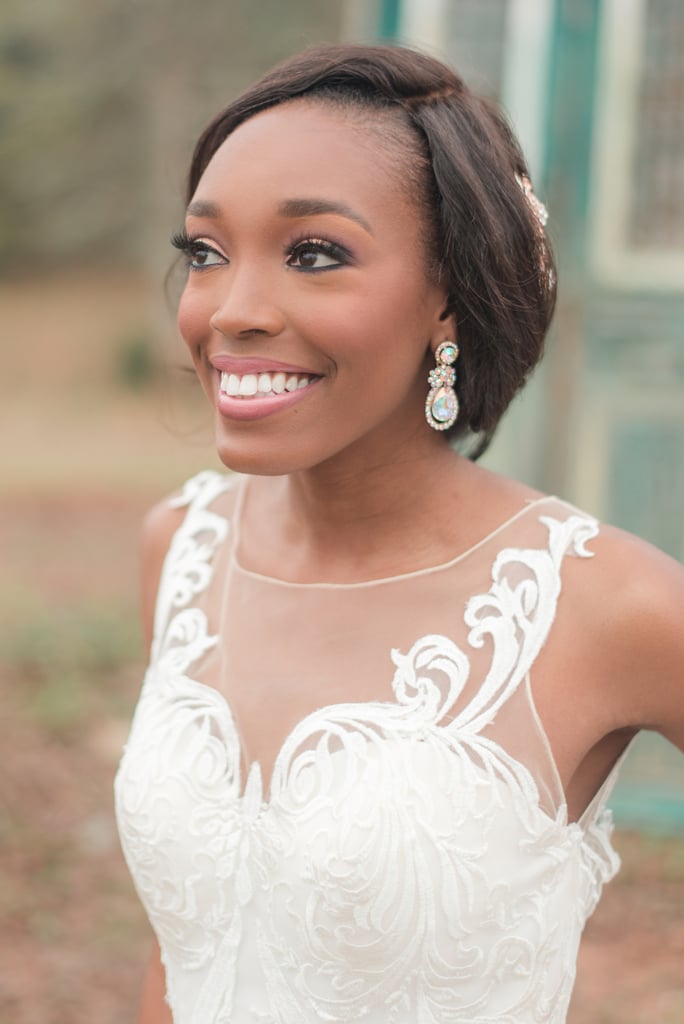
{"points": [[261, 384], [230, 384]]}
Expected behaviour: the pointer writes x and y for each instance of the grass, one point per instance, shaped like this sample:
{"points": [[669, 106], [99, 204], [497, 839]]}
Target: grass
{"points": [[81, 637], [58, 657]]}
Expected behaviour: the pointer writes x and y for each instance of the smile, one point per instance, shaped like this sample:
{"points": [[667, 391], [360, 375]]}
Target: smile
{"points": [[261, 385], [255, 395]]}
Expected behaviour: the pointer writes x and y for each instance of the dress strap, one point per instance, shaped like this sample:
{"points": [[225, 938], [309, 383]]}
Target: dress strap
{"points": [[188, 566], [516, 614]]}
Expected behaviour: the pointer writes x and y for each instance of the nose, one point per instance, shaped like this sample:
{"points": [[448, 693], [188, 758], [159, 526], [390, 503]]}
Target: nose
{"points": [[247, 307]]}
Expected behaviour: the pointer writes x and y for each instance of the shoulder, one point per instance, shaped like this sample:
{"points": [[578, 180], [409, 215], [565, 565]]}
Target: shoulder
{"points": [[633, 611], [165, 517], [640, 586], [159, 526]]}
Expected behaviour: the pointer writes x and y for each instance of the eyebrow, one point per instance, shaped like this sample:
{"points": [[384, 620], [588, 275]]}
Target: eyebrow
{"points": [[204, 208], [289, 208], [315, 207]]}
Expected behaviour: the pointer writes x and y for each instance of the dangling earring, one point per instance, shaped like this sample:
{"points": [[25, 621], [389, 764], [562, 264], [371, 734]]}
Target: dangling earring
{"points": [[441, 405]]}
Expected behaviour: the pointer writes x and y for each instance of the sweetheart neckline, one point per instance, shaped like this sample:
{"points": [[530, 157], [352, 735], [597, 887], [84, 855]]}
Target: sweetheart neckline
{"points": [[269, 797]]}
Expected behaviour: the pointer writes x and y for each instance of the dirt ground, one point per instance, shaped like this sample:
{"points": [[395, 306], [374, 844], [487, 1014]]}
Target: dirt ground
{"points": [[88, 455]]}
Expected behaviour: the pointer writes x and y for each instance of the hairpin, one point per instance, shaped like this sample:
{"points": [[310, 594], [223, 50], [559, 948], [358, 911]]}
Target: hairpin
{"points": [[536, 205]]}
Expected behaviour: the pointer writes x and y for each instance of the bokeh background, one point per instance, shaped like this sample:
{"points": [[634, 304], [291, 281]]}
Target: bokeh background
{"points": [[99, 106]]}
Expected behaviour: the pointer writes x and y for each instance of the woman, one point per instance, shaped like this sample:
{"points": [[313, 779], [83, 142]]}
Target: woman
{"points": [[388, 689]]}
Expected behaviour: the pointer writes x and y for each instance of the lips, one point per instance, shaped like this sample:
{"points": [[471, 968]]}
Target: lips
{"points": [[251, 388]]}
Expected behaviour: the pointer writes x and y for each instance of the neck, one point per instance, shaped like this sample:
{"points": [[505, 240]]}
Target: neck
{"points": [[344, 520]]}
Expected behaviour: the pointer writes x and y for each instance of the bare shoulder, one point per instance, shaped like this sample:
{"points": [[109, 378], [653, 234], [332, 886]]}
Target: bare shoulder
{"points": [[158, 527], [645, 585], [635, 598]]}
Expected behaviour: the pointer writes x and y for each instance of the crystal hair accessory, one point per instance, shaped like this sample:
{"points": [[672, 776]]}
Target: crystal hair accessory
{"points": [[536, 205], [441, 405]]}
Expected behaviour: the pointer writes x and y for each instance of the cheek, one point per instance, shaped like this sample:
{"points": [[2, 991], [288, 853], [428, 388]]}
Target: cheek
{"points": [[386, 328], [193, 317]]}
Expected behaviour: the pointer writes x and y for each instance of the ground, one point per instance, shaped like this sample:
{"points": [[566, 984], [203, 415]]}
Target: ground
{"points": [[90, 451]]}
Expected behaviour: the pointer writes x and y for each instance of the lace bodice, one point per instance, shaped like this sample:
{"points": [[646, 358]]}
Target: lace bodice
{"points": [[410, 859]]}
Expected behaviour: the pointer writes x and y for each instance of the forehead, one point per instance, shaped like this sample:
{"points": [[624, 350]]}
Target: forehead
{"points": [[301, 148]]}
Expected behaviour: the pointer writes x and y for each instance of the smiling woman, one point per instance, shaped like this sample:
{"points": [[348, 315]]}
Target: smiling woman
{"points": [[314, 244], [357, 786]]}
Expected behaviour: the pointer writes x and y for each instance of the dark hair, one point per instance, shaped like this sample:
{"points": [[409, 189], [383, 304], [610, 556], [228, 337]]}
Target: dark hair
{"points": [[487, 243]]}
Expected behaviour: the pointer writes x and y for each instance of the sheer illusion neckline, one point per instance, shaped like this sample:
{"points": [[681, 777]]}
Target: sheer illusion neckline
{"points": [[421, 827], [237, 566]]}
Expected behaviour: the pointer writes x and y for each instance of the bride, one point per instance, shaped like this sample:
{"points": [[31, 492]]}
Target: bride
{"points": [[388, 690]]}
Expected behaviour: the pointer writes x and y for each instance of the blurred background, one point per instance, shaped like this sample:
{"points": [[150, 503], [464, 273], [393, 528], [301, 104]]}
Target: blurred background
{"points": [[100, 105]]}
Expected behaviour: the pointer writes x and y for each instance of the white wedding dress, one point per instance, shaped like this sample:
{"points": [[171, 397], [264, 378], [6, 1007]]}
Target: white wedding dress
{"points": [[410, 860]]}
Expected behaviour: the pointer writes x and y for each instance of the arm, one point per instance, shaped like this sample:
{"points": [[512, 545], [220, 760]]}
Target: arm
{"points": [[644, 612], [159, 526], [153, 1007]]}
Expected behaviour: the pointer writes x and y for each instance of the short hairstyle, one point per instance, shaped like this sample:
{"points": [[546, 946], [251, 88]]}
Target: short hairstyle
{"points": [[465, 167]]}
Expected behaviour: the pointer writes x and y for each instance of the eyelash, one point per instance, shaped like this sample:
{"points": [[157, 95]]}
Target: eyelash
{"points": [[325, 246], [191, 246]]}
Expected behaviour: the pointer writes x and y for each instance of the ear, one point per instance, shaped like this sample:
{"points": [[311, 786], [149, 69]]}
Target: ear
{"points": [[444, 326]]}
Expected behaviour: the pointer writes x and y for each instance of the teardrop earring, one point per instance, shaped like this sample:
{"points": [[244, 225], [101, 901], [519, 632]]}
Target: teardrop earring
{"points": [[441, 405]]}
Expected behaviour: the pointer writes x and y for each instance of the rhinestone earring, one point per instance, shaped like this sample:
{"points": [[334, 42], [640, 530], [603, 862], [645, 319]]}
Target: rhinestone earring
{"points": [[441, 405]]}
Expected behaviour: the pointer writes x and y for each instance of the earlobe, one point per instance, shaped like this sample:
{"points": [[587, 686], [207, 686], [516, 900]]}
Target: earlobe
{"points": [[445, 326], [441, 404]]}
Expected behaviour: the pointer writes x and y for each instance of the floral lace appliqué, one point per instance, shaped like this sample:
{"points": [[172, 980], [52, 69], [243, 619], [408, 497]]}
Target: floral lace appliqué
{"points": [[401, 868]]}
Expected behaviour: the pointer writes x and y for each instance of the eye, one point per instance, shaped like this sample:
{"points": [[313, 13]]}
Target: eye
{"points": [[198, 253], [316, 254], [204, 256]]}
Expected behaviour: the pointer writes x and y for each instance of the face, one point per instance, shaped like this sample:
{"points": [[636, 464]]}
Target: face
{"points": [[308, 311]]}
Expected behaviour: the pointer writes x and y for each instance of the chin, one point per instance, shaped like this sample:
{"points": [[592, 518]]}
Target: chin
{"points": [[297, 444], [252, 466], [260, 458]]}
